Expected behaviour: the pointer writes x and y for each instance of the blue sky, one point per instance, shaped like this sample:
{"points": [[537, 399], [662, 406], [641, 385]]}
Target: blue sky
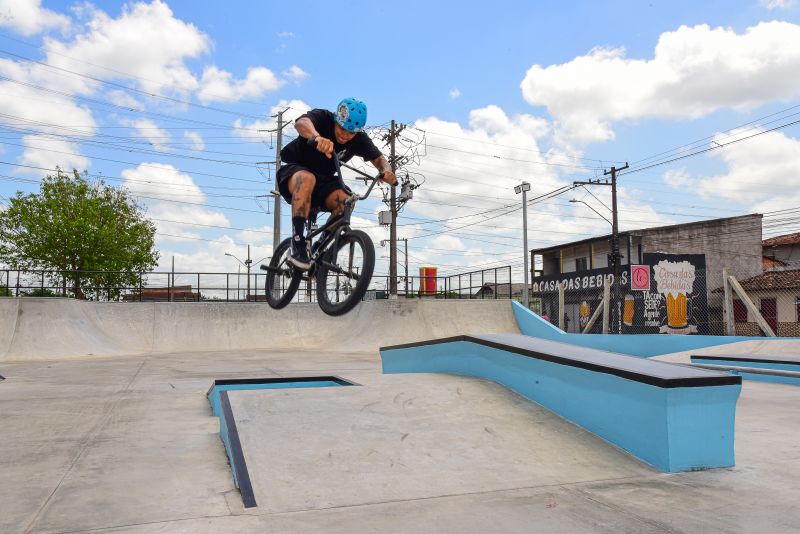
{"points": [[540, 91]]}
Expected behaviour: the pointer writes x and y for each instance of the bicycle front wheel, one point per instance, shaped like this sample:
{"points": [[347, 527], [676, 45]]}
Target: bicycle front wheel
{"points": [[345, 273], [282, 278]]}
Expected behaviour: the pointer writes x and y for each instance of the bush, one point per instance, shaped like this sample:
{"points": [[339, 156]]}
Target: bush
{"points": [[39, 293]]}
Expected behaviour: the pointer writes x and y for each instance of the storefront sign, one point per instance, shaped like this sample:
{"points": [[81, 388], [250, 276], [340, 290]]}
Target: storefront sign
{"points": [[666, 294]]}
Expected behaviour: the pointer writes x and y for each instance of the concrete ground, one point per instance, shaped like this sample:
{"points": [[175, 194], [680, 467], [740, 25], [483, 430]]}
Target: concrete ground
{"points": [[129, 444]]}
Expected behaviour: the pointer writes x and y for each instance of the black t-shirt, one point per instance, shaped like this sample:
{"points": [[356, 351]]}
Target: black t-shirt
{"points": [[301, 153]]}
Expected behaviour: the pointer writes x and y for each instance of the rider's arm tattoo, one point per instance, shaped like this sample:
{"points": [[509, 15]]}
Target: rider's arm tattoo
{"points": [[381, 164]]}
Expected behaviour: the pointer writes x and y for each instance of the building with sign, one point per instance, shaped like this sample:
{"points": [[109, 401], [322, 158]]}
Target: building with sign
{"points": [[702, 248]]}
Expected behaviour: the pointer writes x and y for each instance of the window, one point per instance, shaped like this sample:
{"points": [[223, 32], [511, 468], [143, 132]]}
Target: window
{"points": [[581, 264], [739, 311]]}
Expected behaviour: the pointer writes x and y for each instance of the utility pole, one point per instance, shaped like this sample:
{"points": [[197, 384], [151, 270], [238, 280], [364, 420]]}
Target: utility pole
{"points": [[523, 188], [405, 240], [615, 258], [615, 245], [247, 262], [394, 132], [406, 255], [276, 225]]}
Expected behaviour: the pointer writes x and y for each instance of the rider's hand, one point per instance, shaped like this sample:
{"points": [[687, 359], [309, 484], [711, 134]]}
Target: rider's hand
{"points": [[325, 146], [389, 178]]}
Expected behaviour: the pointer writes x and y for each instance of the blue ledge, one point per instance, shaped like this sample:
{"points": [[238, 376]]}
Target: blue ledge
{"points": [[643, 345], [675, 418], [774, 363]]}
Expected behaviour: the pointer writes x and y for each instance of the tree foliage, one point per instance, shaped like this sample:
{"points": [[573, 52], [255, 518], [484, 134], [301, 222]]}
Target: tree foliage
{"points": [[95, 234]]}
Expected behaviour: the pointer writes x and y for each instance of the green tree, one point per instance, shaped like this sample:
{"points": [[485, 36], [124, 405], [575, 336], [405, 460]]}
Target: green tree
{"points": [[79, 228]]}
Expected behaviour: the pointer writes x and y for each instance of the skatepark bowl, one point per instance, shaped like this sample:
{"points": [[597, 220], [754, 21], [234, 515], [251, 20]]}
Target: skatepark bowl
{"points": [[401, 416]]}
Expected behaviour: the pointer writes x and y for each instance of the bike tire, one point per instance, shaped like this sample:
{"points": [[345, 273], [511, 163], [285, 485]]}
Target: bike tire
{"points": [[282, 278], [329, 280]]}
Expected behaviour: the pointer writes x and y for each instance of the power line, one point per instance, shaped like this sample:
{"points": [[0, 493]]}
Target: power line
{"points": [[709, 149]]}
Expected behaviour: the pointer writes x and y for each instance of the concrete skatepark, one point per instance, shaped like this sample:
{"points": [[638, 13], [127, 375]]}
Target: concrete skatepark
{"points": [[106, 427]]}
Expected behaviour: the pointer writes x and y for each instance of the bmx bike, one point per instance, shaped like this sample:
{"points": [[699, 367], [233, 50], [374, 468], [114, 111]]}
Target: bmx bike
{"points": [[342, 259]]}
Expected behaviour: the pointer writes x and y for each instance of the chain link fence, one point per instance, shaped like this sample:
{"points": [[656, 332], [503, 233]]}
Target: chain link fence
{"points": [[669, 296]]}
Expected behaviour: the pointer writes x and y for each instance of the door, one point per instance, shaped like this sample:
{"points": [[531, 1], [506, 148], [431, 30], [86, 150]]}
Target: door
{"points": [[769, 310]]}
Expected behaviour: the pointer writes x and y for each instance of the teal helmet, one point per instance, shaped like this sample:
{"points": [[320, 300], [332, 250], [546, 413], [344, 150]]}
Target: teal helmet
{"points": [[351, 114]]}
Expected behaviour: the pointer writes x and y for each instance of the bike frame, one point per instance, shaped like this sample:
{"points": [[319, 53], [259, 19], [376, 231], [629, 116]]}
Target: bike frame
{"points": [[335, 226]]}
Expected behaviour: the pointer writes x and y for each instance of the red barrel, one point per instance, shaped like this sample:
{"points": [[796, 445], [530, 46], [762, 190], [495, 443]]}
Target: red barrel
{"points": [[427, 280]]}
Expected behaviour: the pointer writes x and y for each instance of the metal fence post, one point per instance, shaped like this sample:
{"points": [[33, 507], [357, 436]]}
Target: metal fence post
{"points": [[227, 286], [198, 287], [561, 306]]}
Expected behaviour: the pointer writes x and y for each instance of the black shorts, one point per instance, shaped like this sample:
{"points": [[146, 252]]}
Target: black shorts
{"points": [[325, 185]]}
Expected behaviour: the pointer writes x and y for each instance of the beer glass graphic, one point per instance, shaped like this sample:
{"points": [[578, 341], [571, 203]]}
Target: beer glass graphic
{"points": [[583, 313], [676, 310], [627, 313], [675, 280]]}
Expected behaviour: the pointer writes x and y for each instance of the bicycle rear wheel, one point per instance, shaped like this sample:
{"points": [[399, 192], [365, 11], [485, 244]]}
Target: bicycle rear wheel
{"points": [[282, 278], [345, 273]]}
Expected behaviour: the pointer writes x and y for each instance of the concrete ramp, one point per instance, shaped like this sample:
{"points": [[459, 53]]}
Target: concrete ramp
{"points": [[46, 328]]}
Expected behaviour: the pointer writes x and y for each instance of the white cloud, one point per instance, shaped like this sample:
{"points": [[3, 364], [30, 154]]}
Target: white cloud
{"points": [[777, 4], [454, 93], [163, 183], [28, 108], [197, 141], [677, 178], [295, 74], [762, 172], [150, 132], [285, 34], [694, 71], [260, 237], [474, 169], [121, 98], [48, 153], [28, 17], [146, 41], [295, 109], [217, 84]]}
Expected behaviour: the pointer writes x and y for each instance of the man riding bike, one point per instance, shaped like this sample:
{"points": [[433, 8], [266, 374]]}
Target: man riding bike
{"points": [[306, 178]]}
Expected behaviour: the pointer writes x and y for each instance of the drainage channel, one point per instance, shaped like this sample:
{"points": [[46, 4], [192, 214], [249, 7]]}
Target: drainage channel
{"points": [[221, 406]]}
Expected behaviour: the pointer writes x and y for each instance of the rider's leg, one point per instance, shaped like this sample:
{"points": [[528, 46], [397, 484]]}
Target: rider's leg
{"points": [[301, 185], [335, 202]]}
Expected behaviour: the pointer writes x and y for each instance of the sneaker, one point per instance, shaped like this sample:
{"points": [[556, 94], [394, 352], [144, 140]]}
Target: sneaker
{"points": [[318, 243], [299, 254]]}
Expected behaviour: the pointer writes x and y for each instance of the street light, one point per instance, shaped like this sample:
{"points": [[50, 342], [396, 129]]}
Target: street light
{"points": [[591, 208], [247, 263], [523, 188]]}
